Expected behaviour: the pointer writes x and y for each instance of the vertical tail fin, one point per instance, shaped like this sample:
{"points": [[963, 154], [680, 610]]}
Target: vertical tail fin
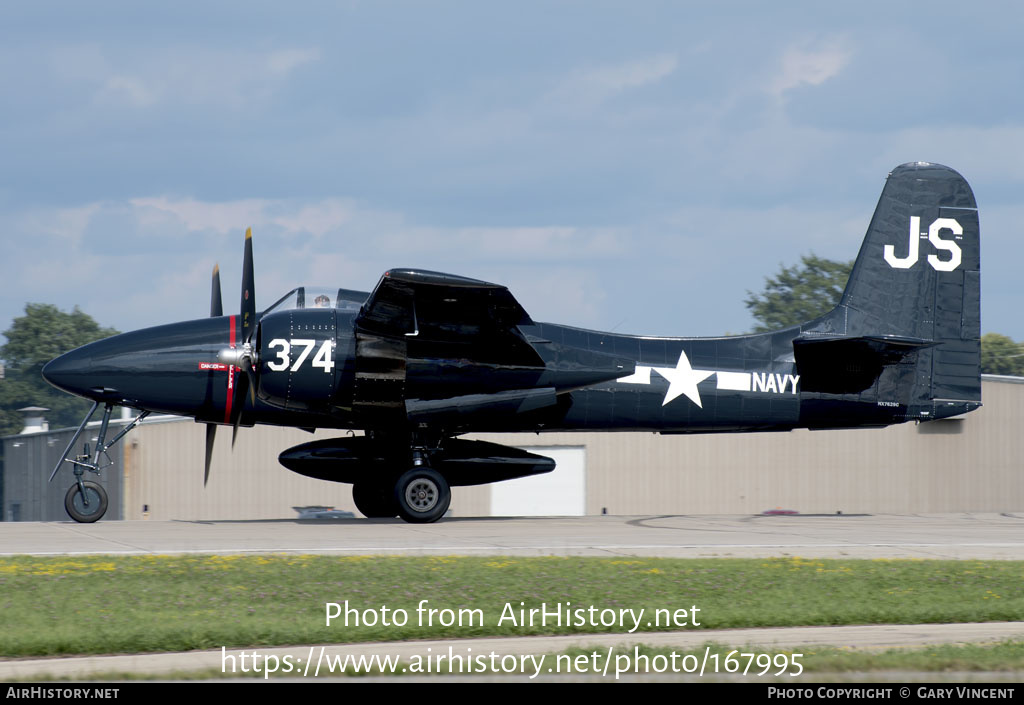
{"points": [[918, 277]]}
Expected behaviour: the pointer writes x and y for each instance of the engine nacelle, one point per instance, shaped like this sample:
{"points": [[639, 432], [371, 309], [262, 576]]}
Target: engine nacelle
{"points": [[297, 358]]}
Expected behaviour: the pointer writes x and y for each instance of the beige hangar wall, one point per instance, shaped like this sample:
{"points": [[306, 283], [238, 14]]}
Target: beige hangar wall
{"points": [[970, 464]]}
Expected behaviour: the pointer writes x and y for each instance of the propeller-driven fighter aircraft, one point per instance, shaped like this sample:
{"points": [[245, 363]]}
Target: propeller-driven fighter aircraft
{"points": [[427, 357]]}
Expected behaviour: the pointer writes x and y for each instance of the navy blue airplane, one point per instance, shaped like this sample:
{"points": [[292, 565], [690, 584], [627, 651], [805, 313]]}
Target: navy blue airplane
{"points": [[427, 357]]}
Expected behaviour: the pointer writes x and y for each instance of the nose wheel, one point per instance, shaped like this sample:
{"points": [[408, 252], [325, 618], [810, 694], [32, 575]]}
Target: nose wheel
{"points": [[86, 501], [423, 495]]}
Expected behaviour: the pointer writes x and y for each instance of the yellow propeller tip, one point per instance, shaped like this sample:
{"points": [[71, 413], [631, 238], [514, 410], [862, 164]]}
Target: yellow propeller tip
{"points": [[216, 268], [248, 233]]}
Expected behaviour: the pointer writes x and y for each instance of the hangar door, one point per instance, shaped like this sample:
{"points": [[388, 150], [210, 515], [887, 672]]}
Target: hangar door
{"points": [[561, 492]]}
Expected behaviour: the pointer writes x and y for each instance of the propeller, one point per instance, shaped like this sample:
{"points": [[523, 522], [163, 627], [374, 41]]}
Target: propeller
{"points": [[243, 356], [216, 310]]}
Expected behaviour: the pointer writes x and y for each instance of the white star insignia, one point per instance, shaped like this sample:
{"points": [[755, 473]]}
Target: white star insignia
{"points": [[683, 380]]}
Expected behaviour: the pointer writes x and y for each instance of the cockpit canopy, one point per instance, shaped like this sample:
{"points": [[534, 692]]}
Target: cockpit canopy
{"points": [[319, 297]]}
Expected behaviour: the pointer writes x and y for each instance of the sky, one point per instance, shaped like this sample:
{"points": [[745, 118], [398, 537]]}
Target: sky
{"points": [[627, 166]]}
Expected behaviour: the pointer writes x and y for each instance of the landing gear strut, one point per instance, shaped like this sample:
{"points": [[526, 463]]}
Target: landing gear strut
{"points": [[86, 501], [418, 494]]}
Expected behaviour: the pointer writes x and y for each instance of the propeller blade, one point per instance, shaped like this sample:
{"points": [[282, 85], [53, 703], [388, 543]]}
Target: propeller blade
{"points": [[240, 391], [216, 310], [248, 290], [211, 434], [216, 306], [251, 376], [246, 383]]}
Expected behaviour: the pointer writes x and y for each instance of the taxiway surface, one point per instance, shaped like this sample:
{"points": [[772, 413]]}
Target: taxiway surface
{"points": [[943, 536]]}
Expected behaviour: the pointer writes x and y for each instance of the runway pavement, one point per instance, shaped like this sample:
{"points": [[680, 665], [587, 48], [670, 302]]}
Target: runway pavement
{"points": [[946, 536]]}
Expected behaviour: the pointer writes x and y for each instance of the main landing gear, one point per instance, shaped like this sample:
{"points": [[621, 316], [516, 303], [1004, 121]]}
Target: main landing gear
{"points": [[87, 501], [423, 495], [375, 500], [420, 495]]}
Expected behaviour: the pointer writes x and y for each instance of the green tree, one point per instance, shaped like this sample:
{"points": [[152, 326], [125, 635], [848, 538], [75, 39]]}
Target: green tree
{"points": [[43, 333], [799, 293], [1001, 356]]}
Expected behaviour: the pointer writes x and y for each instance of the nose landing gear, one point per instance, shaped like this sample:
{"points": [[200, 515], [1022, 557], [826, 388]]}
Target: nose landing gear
{"points": [[86, 501]]}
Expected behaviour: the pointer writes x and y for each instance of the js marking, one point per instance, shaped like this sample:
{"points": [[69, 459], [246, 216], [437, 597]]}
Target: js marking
{"points": [[932, 236]]}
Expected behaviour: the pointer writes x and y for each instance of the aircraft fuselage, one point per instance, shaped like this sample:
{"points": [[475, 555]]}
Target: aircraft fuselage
{"points": [[673, 385]]}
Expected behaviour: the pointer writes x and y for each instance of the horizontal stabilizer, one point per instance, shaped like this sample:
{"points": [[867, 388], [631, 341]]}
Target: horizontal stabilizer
{"points": [[849, 365]]}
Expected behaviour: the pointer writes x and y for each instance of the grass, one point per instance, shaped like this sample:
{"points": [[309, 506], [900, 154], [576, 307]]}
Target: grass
{"points": [[1004, 656], [103, 604]]}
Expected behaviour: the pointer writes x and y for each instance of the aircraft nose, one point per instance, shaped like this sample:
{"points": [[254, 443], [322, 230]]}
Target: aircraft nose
{"points": [[69, 372]]}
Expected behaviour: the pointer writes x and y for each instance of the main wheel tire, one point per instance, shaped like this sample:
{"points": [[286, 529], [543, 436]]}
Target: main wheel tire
{"points": [[76, 507], [375, 501], [423, 495]]}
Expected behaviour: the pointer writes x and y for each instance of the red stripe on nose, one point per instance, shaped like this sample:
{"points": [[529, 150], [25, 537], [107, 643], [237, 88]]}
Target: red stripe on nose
{"points": [[231, 376]]}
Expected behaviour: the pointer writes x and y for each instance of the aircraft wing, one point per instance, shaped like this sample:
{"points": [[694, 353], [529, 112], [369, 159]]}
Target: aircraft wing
{"points": [[447, 316]]}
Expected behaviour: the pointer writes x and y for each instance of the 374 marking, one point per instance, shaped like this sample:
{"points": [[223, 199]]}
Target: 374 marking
{"points": [[324, 358]]}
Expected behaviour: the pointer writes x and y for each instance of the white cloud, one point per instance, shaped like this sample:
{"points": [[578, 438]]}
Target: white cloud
{"points": [[282, 63], [65, 224], [161, 250], [613, 79], [318, 218], [180, 75], [802, 66], [358, 227], [589, 87], [223, 217], [543, 243], [127, 89]]}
